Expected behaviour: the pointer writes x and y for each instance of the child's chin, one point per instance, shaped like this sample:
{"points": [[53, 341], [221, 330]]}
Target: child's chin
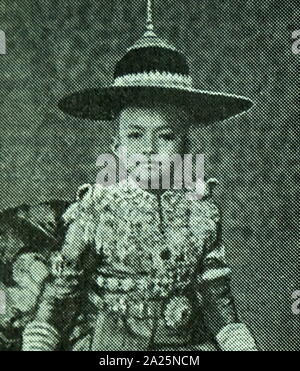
{"points": [[151, 183], [150, 178]]}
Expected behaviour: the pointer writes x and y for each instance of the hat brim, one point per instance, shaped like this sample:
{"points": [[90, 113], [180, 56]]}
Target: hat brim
{"points": [[103, 104]]}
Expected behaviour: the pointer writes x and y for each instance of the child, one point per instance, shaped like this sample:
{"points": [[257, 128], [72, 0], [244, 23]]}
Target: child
{"points": [[149, 262]]}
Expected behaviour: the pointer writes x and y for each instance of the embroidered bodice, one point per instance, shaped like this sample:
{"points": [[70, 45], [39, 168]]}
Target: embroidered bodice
{"points": [[159, 239]]}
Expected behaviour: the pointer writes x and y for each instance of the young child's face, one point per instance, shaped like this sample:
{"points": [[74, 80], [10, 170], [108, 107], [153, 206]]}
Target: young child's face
{"points": [[151, 131]]}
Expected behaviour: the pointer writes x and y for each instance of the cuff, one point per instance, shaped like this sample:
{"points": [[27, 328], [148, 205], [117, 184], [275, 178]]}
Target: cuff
{"points": [[236, 337], [40, 336]]}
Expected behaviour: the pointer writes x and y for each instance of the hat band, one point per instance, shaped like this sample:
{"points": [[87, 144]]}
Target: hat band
{"points": [[157, 79]]}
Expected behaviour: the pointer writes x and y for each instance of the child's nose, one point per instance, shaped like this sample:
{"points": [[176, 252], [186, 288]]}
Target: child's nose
{"points": [[149, 145]]}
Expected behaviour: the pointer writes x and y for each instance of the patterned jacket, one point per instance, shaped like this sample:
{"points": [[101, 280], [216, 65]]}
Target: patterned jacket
{"points": [[152, 275]]}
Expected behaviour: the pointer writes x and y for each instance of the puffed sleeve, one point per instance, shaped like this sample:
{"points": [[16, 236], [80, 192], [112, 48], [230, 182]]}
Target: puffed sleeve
{"points": [[220, 314], [46, 331], [80, 219]]}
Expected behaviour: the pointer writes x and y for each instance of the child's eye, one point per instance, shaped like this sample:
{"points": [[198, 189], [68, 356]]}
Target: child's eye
{"points": [[167, 136], [134, 135]]}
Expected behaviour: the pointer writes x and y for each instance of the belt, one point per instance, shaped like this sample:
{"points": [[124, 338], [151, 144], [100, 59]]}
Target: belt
{"points": [[150, 287], [117, 304], [176, 310]]}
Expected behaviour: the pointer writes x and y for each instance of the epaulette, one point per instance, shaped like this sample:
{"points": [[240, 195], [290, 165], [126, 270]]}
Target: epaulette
{"points": [[82, 191], [210, 185], [203, 189]]}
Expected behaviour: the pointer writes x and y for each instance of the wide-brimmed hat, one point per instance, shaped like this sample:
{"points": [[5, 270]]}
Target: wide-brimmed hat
{"points": [[153, 71]]}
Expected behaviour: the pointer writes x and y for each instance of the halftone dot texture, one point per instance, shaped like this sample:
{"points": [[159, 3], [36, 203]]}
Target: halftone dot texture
{"points": [[236, 47]]}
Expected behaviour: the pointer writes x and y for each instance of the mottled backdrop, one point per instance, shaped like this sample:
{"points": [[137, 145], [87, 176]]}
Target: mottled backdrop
{"points": [[244, 46]]}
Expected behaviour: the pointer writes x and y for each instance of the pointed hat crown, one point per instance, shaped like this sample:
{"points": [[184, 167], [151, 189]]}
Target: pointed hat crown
{"points": [[152, 61]]}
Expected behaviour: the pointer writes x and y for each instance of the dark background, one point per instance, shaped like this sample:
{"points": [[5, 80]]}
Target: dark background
{"points": [[57, 46]]}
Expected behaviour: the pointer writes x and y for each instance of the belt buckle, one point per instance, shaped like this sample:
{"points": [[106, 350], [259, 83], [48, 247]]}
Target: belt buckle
{"points": [[120, 306], [178, 311]]}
